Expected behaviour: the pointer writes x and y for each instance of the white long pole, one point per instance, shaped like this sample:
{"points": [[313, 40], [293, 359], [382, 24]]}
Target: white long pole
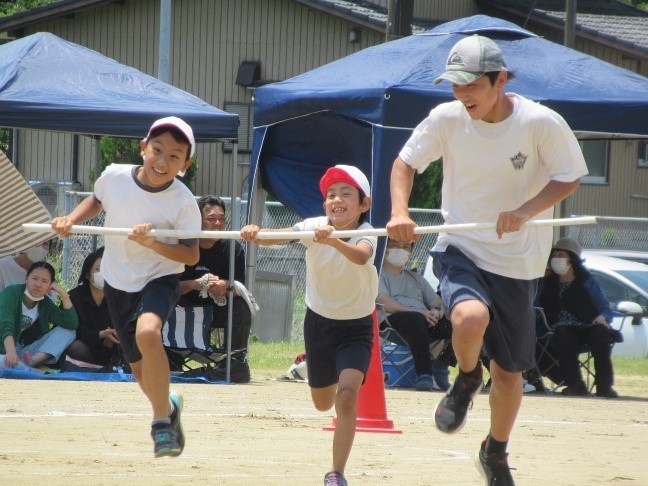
{"points": [[294, 235]]}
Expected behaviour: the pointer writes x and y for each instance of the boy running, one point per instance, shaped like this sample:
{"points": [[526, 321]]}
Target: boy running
{"points": [[142, 272], [341, 289], [505, 159]]}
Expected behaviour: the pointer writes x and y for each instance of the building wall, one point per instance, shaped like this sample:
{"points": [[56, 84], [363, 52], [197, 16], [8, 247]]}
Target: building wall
{"points": [[438, 9], [210, 39]]}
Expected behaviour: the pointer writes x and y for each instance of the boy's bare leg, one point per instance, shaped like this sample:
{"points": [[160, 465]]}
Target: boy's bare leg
{"points": [[505, 399], [155, 372], [469, 320], [346, 411]]}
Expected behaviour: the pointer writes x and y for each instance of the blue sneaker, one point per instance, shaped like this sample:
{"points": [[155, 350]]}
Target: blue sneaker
{"points": [[424, 382], [178, 403], [165, 441]]}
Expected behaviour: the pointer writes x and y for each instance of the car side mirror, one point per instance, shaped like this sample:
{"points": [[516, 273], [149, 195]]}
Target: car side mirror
{"points": [[631, 309]]}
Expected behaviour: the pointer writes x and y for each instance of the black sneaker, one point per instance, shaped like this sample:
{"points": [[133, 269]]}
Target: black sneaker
{"points": [[450, 415], [239, 371], [166, 443], [494, 468]]}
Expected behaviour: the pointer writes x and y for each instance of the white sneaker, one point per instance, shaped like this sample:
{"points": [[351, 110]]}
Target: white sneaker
{"points": [[527, 387]]}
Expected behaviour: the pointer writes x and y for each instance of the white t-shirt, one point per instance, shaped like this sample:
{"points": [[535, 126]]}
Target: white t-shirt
{"points": [[10, 272], [493, 167], [127, 265], [337, 288]]}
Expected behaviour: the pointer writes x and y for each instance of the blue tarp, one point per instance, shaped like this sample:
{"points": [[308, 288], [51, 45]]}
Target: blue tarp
{"points": [[15, 374], [47, 83], [362, 108]]}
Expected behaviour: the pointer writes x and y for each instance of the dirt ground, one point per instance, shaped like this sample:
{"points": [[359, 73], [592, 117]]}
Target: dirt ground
{"points": [[268, 433]]}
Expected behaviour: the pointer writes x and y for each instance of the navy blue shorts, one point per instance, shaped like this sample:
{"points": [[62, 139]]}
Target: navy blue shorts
{"points": [[334, 345], [510, 336], [159, 297]]}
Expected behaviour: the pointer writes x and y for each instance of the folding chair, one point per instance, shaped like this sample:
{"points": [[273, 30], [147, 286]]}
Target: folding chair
{"points": [[546, 364], [586, 359], [397, 360], [187, 338]]}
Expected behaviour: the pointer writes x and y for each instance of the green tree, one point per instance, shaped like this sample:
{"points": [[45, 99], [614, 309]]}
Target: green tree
{"points": [[14, 6], [426, 192], [4, 140]]}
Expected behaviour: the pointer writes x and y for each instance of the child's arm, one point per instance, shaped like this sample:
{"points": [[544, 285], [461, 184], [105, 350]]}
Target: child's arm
{"points": [[249, 233], [358, 253], [85, 210], [178, 252]]}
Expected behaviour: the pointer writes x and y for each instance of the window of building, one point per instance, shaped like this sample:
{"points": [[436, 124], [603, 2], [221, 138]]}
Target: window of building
{"points": [[245, 113], [642, 156], [596, 153]]}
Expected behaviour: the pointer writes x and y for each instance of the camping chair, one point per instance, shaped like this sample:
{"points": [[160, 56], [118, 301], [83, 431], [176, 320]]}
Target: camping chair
{"points": [[188, 340], [546, 364], [397, 360]]}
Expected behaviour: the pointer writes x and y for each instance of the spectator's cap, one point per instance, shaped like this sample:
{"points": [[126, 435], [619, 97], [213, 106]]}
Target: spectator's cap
{"points": [[568, 244], [470, 59], [344, 173], [174, 121]]}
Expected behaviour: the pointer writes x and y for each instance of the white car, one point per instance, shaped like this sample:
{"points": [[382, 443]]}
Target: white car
{"points": [[626, 286]]}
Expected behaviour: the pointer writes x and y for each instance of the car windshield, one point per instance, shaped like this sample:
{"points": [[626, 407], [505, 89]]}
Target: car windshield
{"points": [[638, 277]]}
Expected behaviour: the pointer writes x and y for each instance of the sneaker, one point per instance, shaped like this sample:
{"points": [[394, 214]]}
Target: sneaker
{"points": [[577, 390], [239, 371], [450, 415], [166, 443], [441, 379], [334, 478], [527, 387], [494, 468], [178, 403], [424, 382], [606, 392]]}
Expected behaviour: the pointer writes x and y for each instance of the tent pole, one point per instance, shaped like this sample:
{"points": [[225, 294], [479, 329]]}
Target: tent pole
{"points": [[234, 210], [560, 210], [165, 43]]}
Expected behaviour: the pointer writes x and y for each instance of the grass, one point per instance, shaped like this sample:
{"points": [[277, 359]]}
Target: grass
{"points": [[273, 359]]}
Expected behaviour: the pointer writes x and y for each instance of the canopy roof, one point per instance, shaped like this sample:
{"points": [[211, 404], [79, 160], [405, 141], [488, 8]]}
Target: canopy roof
{"points": [[47, 83]]}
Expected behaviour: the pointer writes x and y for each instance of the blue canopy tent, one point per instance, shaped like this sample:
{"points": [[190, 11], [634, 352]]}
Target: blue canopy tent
{"points": [[47, 83], [361, 109]]}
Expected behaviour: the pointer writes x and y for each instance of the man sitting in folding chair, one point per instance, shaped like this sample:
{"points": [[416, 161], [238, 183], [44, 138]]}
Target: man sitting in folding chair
{"points": [[204, 286], [408, 304], [579, 313]]}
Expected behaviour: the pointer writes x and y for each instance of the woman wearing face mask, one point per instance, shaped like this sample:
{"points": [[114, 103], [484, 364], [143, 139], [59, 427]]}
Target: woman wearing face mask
{"points": [[96, 345], [13, 269], [576, 307], [410, 306], [26, 312]]}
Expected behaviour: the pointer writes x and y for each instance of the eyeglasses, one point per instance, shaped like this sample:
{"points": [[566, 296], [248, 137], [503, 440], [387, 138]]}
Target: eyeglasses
{"points": [[217, 219]]}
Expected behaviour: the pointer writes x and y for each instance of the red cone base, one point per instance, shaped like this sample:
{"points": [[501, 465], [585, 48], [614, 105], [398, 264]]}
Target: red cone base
{"points": [[372, 410]]}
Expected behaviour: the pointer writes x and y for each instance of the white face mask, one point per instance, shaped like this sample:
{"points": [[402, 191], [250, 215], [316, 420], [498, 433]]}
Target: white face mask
{"points": [[560, 265], [30, 296], [397, 256], [97, 280], [36, 254]]}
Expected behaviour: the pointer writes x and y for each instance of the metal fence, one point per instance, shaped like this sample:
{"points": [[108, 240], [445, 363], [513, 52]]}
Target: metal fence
{"points": [[620, 233]]}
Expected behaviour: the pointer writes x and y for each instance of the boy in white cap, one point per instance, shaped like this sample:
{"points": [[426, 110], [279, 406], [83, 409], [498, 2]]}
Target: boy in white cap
{"points": [[341, 289], [141, 273], [507, 160]]}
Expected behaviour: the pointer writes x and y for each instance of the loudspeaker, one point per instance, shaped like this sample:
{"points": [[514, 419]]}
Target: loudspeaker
{"points": [[248, 73]]}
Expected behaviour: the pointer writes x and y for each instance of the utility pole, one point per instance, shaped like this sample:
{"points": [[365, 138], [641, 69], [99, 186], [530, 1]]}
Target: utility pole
{"points": [[399, 19]]}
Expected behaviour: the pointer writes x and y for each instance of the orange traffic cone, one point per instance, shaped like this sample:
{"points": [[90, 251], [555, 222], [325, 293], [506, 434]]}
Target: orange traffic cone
{"points": [[372, 410]]}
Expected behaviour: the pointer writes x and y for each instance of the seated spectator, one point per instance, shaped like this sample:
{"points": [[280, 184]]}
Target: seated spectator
{"points": [[96, 345], [408, 303], [13, 268], [578, 311], [206, 283], [26, 312]]}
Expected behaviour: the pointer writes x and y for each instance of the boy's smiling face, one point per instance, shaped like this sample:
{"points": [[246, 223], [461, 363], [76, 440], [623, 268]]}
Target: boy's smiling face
{"points": [[163, 157], [342, 205]]}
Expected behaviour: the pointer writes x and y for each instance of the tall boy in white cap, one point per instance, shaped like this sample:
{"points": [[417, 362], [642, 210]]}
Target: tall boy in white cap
{"points": [[507, 160], [341, 289], [142, 272]]}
